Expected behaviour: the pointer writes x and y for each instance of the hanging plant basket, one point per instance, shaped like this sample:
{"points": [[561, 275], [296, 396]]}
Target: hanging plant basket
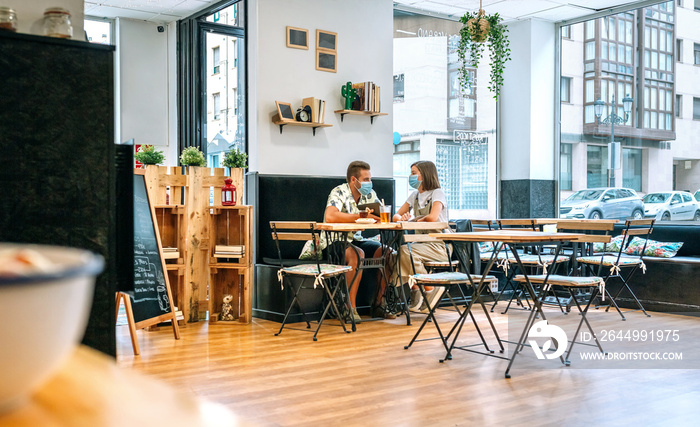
{"points": [[480, 29]]}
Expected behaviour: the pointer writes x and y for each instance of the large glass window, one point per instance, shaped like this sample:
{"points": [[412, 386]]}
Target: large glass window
{"points": [[440, 121], [212, 80], [657, 141], [98, 30]]}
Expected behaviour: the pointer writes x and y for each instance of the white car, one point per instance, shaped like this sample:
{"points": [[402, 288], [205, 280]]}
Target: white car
{"points": [[671, 205]]}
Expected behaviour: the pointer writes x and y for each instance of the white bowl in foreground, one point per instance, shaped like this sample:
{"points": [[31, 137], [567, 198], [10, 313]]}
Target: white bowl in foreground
{"points": [[43, 316]]}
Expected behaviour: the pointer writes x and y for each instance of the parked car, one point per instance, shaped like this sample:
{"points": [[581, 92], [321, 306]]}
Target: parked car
{"points": [[598, 203], [671, 205]]}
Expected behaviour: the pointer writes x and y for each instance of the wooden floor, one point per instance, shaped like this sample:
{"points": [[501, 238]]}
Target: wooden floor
{"points": [[368, 378]]}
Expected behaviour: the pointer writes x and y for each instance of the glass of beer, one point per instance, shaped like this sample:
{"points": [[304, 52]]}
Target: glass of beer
{"points": [[385, 213]]}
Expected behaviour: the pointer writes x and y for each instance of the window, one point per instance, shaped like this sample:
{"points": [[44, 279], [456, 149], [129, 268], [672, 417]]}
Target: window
{"points": [[566, 32], [679, 104], [217, 105], [98, 31], [632, 168], [566, 89], [211, 113], [597, 161], [679, 50], [438, 119], [565, 167], [696, 53], [697, 4], [687, 198], [398, 87], [216, 60], [696, 108]]}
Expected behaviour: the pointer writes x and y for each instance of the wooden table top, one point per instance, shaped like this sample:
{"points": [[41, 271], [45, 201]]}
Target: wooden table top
{"points": [[509, 236], [401, 225], [90, 390]]}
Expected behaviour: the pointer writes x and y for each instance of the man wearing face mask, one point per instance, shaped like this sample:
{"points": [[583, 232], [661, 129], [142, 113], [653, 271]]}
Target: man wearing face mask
{"points": [[342, 207]]}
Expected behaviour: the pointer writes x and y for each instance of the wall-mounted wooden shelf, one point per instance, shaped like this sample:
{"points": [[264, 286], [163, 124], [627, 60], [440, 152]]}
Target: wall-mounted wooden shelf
{"points": [[371, 114], [312, 125]]}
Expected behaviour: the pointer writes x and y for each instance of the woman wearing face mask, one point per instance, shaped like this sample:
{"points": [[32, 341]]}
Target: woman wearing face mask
{"points": [[427, 204]]}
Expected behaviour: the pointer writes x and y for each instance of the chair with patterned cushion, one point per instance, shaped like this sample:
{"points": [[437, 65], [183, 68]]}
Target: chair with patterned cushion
{"points": [[445, 279], [572, 284], [623, 263], [323, 276], [532, 259], [597, 234]]}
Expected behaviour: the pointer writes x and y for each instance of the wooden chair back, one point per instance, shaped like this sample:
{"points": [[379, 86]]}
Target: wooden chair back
{"points": [[517, 223], [482, 224], [293, 231]]}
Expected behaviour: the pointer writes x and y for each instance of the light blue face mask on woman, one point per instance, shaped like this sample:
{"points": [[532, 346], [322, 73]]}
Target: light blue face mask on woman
{"points": [[413, 181], [365, 188]]}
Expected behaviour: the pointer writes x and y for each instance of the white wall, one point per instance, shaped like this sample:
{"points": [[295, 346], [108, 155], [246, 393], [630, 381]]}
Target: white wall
{"points": [[527, 103], [30, 15], [147, 65], [278, 73]]}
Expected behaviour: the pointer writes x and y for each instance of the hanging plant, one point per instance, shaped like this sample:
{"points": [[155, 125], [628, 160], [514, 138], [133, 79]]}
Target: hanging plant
{"points": [[479, 29]]}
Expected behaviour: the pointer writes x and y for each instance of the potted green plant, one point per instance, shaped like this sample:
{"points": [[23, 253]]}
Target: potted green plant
{"points": [[191, 156], [479, 29], [148, 155], [235, 159]]}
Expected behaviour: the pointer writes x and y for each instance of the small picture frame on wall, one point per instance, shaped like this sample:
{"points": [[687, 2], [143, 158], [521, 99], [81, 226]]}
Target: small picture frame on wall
{"points": [[326, 40], [297, 38], [284, 109], [326, 61]]}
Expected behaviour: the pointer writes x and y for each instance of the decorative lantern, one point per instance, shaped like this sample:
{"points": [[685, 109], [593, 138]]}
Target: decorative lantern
{"points": [[228, 193]]}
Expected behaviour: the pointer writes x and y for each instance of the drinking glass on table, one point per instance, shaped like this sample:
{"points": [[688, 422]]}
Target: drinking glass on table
{"points": [[385, 213]]}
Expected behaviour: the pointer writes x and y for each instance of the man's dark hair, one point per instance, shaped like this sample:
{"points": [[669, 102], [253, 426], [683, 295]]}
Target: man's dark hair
{"points": [[354, 169]]}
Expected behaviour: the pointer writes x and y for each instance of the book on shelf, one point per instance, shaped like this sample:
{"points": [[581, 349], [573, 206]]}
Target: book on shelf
{"points": [[321, 111], [313, 104], [358, 104], [229, 249]]}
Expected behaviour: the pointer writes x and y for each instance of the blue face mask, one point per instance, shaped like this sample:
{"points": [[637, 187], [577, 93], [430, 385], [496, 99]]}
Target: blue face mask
{"points": [[365, 188], [413, 181]]}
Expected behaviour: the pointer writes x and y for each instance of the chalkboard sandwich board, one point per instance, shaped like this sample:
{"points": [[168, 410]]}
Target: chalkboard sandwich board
{"points": [[152, 300]]}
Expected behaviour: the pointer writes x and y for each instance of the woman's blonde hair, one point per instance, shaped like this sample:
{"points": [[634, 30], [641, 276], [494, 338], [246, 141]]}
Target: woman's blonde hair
{"points": [[429, 174]]}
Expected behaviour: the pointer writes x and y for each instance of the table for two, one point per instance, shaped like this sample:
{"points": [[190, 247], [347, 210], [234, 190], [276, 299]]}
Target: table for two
{"points": [[512, 238], [391, 238]]}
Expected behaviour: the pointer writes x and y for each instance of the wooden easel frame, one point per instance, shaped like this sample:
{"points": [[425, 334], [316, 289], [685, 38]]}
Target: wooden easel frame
{"points": [[171, 316]]}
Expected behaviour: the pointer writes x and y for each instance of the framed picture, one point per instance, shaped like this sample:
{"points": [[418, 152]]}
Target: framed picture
{"points": [[326, 40], [297, 38], [284, 109], [326, 61]]}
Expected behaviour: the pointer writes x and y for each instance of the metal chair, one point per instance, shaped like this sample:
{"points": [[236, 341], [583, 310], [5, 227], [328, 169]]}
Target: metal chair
{"points": [[445, 279], [611, 266], [532, 258], [571, 284], [329, 277]]}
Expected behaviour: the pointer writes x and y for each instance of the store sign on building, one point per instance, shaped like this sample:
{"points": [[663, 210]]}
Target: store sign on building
{"points": [[468, 137]]}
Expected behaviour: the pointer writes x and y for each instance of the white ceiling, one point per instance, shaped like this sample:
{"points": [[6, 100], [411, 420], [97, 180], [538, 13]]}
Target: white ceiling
{"points": [[510, 10], [146, 10]]}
